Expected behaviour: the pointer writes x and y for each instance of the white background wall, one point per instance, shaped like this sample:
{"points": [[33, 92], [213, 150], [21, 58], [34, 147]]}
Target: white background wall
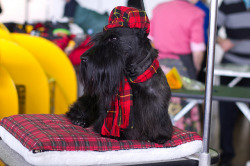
{"points": [[41, 10]]}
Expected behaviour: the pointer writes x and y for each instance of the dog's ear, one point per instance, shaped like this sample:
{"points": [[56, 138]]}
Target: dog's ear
{"points": [[141, 33], [98, 37]]}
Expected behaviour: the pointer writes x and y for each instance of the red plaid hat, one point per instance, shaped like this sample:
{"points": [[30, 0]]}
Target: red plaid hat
{"points": [[129, 17]]}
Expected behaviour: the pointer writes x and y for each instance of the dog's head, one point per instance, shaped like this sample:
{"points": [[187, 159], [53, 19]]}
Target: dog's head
{"points": [[115, 53]]}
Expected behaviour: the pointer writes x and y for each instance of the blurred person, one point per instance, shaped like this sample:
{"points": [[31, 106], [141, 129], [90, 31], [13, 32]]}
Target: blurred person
{"points": [[177, 33], [234, 16], [200, 4], [69, 9], [203, 7]]}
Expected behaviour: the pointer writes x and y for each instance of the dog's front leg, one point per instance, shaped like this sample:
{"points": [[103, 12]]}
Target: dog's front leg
{"points": [[84, 111]]}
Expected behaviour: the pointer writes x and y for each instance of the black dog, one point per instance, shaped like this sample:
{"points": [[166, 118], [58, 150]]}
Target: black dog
{"points": [[117, 54]]}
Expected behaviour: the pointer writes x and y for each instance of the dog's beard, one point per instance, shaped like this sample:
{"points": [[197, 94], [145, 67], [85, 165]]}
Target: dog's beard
{"points": [[102, 74], [108, 61]]}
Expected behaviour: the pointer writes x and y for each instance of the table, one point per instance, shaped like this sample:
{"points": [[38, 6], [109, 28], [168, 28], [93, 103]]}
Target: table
{"points": [[231, 93], [231, 70], [239, 72], [220, 93]]}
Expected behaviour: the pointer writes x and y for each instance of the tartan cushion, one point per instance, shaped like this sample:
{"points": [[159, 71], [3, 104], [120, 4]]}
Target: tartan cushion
{"points": [[50, 132]]}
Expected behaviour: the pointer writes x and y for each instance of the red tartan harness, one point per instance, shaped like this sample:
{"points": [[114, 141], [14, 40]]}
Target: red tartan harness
{"points": [[120, 116]]}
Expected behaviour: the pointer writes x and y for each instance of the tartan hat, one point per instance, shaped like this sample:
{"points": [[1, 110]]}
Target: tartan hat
{"points": [[129, 17]]}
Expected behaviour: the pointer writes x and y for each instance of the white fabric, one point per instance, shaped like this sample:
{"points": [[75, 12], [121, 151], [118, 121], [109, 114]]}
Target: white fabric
{"points": [[98, 158], [197, 46]]}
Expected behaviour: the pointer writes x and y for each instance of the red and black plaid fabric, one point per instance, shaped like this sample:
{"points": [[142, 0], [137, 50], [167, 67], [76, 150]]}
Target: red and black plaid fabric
{"points": [[129, 17], [148, 73], [120, 116], [50, 132]]}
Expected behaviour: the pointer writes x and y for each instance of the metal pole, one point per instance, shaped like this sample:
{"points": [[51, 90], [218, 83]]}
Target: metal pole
{"points": [[205, 158]]}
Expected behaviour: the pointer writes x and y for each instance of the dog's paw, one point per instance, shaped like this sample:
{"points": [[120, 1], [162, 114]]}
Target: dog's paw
{"points": [[77, 117], [81, 123], [79, 120]]}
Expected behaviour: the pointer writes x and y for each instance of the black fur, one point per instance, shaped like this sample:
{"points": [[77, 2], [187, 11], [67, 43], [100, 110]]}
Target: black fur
{"points": [[117, 53]]}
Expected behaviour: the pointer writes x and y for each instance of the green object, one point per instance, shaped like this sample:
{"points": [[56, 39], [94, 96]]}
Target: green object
{"points": [[191, 84], [90, 21], [61, 31]]}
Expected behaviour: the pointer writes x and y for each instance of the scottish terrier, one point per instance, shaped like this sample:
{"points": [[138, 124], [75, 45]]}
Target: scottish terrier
{"points": [[126, 94], [115, 55]]}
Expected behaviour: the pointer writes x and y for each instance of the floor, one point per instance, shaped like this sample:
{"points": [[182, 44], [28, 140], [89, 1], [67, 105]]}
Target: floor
{"points": [[241, 137]]}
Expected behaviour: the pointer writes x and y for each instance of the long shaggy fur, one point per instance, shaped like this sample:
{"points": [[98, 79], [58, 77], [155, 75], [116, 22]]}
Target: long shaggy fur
{"points": [[114, 54]]}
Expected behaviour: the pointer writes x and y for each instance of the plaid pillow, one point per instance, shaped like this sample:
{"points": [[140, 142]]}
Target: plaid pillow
{"points": [[50, 132]]}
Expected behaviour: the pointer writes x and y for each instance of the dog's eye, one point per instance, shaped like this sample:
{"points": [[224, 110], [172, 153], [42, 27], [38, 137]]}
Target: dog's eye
{"points": [[112, 38]]}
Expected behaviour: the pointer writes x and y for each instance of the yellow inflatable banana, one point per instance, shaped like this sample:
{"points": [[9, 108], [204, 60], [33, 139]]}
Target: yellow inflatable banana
{"points": [[8, 95], [28, 76], [57, 66], [4, 33]]}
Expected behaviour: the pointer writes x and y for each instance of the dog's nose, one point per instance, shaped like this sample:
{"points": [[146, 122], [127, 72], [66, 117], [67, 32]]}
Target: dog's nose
{"points": [[84, 58]]}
